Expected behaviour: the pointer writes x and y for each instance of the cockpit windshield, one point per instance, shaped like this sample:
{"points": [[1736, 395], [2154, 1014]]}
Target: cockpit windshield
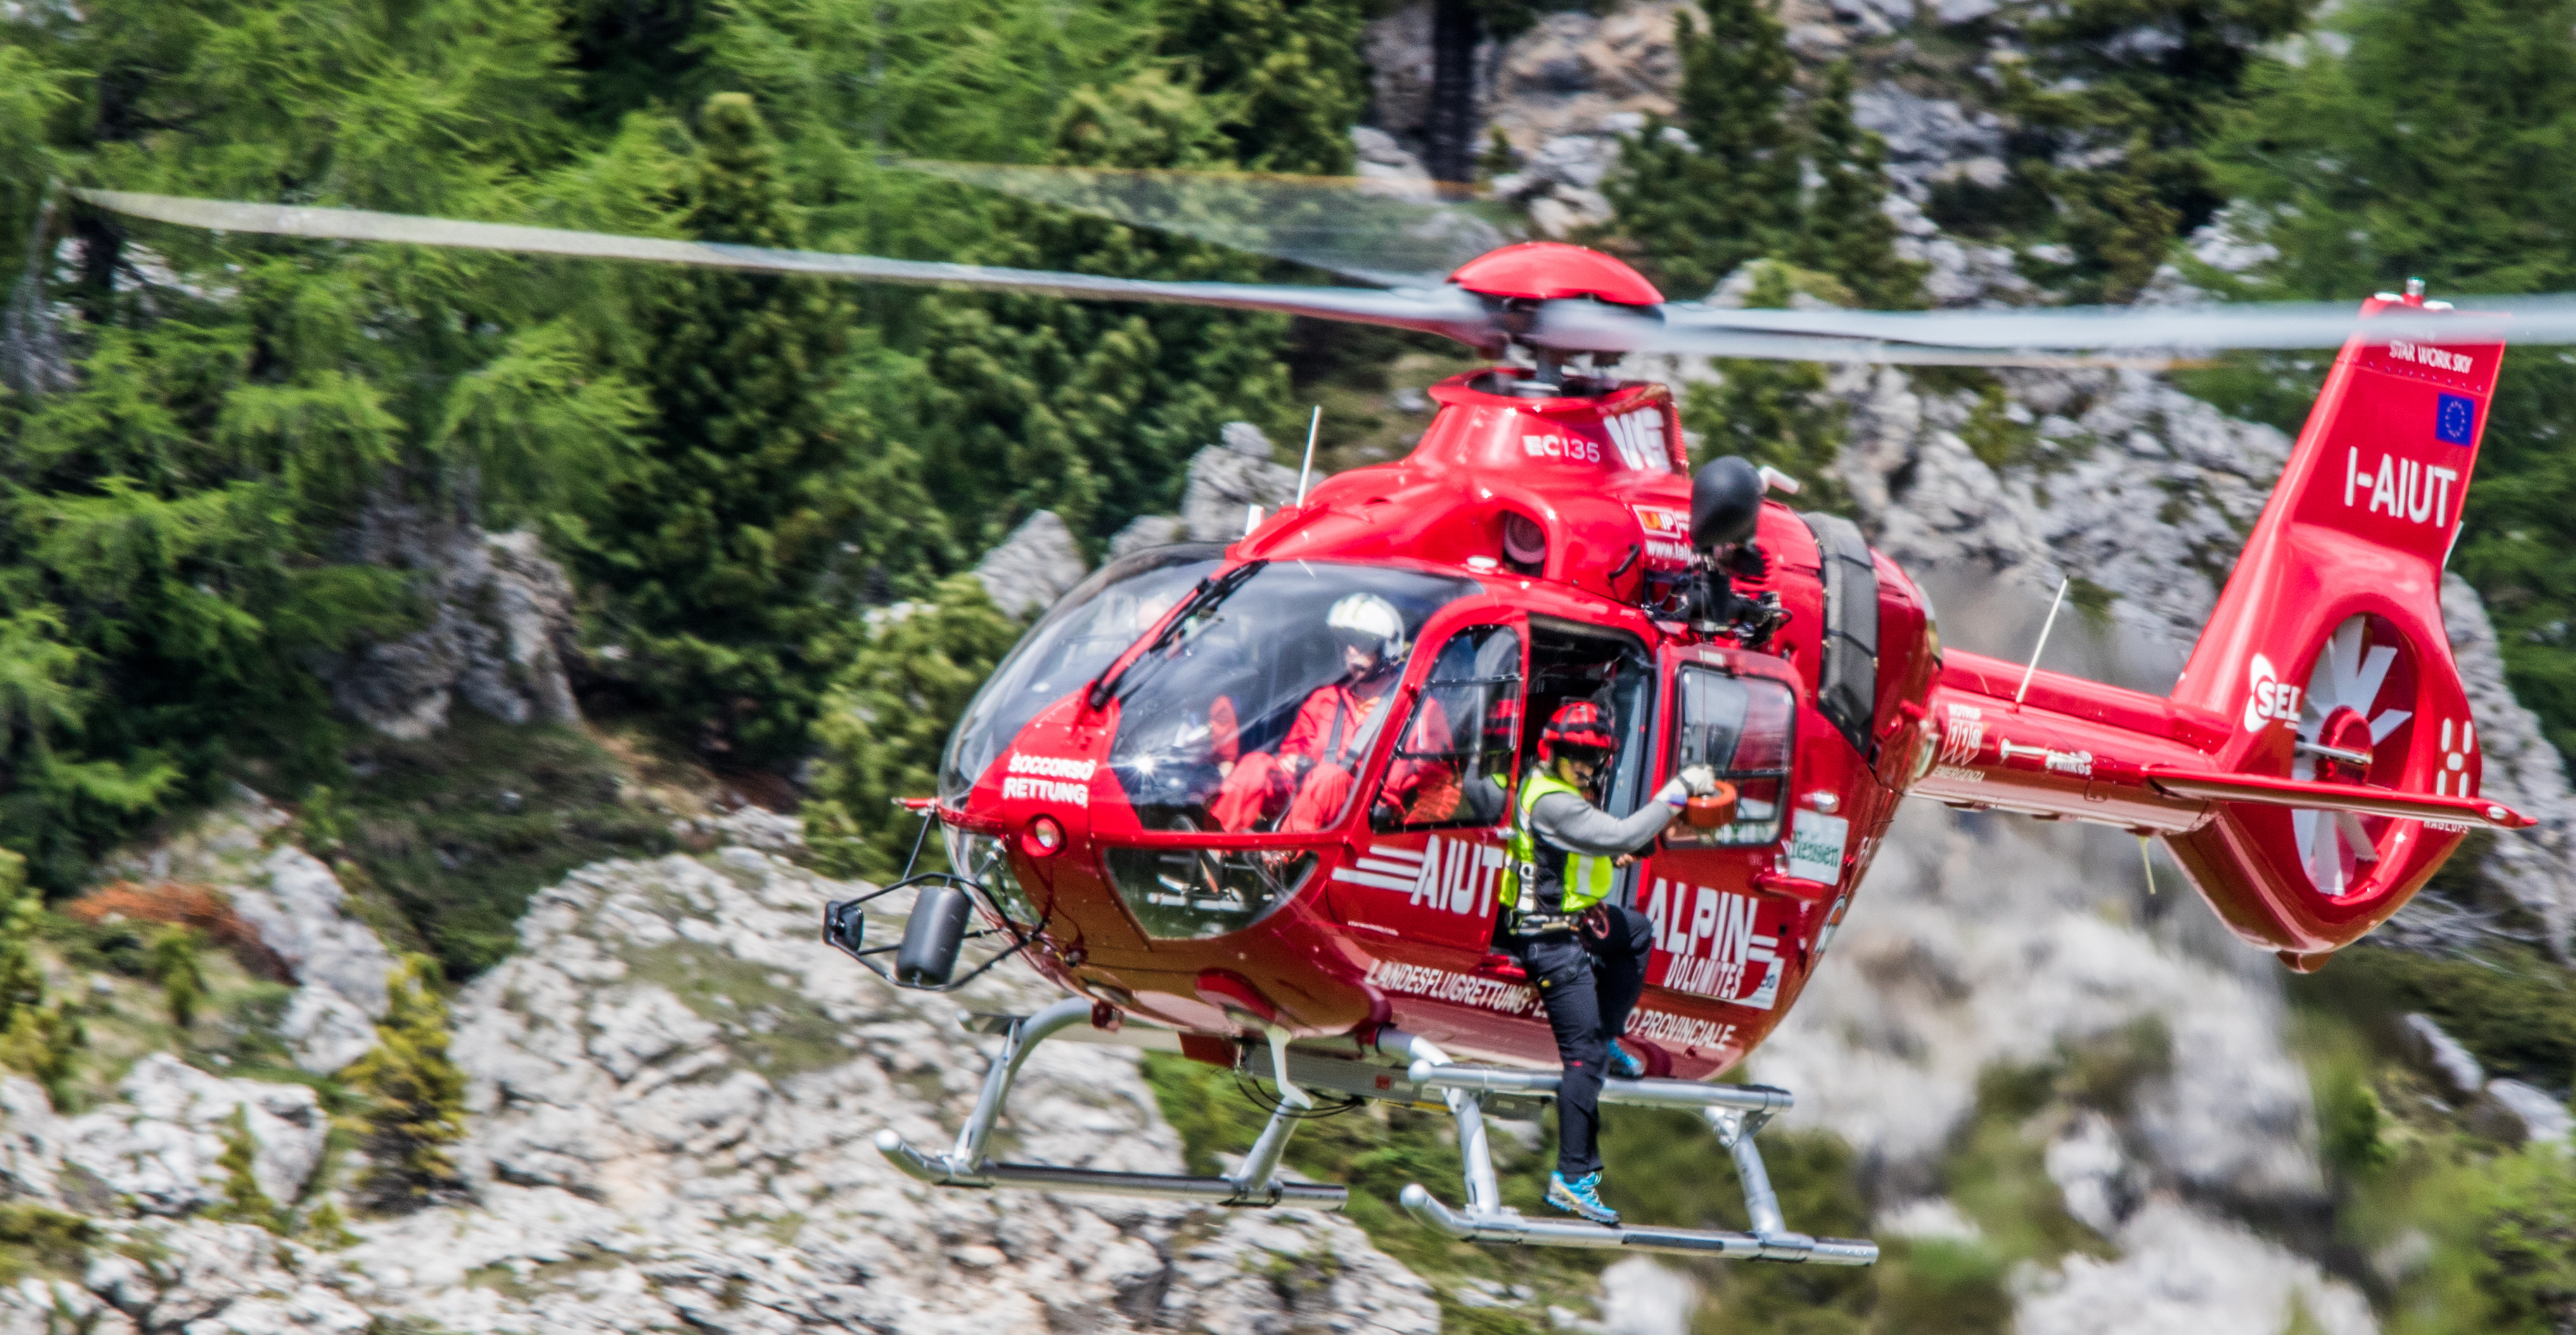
{"points": [[1083, 634], [1259, 707]]}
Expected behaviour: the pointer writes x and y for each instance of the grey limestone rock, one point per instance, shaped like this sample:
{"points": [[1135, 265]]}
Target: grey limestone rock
{"points": [[161, 1146], [500, 631], [2543, 1119], [1227, 479], [340, 966], [2456, 1066], [1037, 564]]}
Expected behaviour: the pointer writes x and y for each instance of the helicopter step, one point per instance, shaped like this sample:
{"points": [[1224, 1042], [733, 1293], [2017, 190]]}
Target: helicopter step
{"points": [[1734, 1112], [1256, 1184]]}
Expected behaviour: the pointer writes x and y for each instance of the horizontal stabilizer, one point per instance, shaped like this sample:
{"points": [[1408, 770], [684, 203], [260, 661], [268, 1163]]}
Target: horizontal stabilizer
{"points": [[2316, 795]]}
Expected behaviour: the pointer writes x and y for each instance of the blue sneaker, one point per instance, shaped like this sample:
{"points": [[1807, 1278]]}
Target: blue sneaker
{"points": [[1581, 1196], [1624, 1064]]}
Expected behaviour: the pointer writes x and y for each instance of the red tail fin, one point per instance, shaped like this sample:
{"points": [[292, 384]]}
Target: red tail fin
{"points": [[2327, 654]]}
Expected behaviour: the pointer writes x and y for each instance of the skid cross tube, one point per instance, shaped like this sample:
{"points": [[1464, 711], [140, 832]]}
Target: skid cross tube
{"points": [[965, 1165], [1734, 1112]]}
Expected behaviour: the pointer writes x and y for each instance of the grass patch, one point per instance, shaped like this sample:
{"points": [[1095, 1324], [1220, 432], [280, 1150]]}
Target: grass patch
{"points": [[38, 1241], [457, 831], [770, 1025]]}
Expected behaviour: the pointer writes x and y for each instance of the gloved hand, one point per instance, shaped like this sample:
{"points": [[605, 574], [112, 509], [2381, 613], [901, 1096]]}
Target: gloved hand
{"points": [[1701, 780], [1674, 793]]}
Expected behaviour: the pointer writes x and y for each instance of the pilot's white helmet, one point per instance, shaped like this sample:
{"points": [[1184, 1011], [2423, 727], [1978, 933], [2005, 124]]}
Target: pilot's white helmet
{"points": [[1372, 623]]}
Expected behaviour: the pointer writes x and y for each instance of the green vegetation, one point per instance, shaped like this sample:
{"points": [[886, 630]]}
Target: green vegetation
{"points": [[414, 1092], [2468, 1232], [2440, 147], [737, 467], [443, 840], [36, 1038], [1665, 1167], [887, 721], [1720, 185], [38, 1241], [244, 1201], [1778, 413]]}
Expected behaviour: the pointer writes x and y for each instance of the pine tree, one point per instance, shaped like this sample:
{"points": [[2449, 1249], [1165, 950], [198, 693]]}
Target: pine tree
{"points": [[888, 719], [416, 1096], [719, 545], [172, 961], [244, 1200], [1725, 190], [1284, 77]]}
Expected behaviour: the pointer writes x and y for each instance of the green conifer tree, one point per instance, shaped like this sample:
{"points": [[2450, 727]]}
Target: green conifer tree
{"points": [[173, 962], [719, 546], [1727, 192], [1777, 412], [35, 1038], [244, 1201], [887, 721], [415, 1093]]}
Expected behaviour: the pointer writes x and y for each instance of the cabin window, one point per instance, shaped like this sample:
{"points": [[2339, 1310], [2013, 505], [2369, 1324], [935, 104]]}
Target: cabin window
{"points": [[1740, 727], [1082, 634], [1453, 763], [1260, 708]]}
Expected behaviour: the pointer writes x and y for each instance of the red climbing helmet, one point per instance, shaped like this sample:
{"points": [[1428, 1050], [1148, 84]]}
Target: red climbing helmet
{"points": [[1579, 724]]}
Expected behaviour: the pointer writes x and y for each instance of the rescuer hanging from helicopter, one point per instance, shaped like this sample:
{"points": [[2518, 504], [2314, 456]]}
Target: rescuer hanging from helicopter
{"points": [[1585, 955]]}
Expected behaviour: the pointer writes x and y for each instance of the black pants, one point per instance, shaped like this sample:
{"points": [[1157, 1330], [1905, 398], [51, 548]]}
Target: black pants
{"points": [[1589, 983]]}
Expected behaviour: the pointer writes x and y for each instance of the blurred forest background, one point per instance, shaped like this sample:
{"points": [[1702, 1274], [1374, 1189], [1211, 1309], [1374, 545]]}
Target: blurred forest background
{"points": [[741, 472]]}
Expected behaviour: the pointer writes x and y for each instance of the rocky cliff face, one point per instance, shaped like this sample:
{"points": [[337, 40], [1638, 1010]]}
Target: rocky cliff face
{"points": [[672, 1088]]}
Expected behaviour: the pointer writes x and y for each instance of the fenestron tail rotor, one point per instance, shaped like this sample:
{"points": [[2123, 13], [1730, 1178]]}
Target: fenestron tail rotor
{"points": [[2356, 701]]}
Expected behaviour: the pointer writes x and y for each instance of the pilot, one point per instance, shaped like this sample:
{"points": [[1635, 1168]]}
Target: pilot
{"points": [[1586, 957], [1310, 778]]}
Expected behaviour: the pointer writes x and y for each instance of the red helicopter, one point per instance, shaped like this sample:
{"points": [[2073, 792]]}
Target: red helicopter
{"points": [[1146, 803]]}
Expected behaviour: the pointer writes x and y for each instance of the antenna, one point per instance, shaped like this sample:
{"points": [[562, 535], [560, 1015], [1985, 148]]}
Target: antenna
{"points": [[1309, 466], [2044, 628]]}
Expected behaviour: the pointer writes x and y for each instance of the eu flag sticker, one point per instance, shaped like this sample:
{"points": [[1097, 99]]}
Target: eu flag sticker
{"points": [[2456, 420]]}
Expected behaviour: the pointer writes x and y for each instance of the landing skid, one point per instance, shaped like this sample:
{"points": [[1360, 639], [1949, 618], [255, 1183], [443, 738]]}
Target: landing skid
{"points": [[1255, 1185], [1734, 1112]]}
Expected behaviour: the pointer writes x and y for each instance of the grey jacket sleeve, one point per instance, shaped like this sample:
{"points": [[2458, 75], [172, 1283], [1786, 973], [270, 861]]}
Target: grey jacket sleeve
{"points": [[1576, 824]]}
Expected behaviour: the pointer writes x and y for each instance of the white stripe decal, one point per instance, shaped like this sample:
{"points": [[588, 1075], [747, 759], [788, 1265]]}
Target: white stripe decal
{"points": [[1371, 878]]}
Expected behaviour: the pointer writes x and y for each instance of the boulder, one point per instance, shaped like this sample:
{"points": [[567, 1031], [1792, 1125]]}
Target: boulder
{"points": [[1037, 564], [161, 1148], [1227, 479], [340, 966], [2453, 1065], [501, 628]]}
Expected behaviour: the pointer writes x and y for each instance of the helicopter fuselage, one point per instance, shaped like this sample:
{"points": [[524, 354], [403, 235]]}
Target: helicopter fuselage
{"points": [[1382, 919]]}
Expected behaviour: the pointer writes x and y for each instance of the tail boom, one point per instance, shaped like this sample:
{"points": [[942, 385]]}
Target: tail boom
{"points": [[2318, 761]]}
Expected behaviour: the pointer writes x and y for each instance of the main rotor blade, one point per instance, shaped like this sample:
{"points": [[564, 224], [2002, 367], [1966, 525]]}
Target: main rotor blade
{"points": [[2302, 324], [1391, 231], [1568, 326], [1439, 311]]}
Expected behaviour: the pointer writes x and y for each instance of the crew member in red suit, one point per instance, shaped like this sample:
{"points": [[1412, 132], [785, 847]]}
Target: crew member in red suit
{"points": [[1310, 778]]}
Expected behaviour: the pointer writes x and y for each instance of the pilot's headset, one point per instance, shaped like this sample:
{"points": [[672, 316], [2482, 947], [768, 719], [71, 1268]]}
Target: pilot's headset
{"points": [[1364, 620]]}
